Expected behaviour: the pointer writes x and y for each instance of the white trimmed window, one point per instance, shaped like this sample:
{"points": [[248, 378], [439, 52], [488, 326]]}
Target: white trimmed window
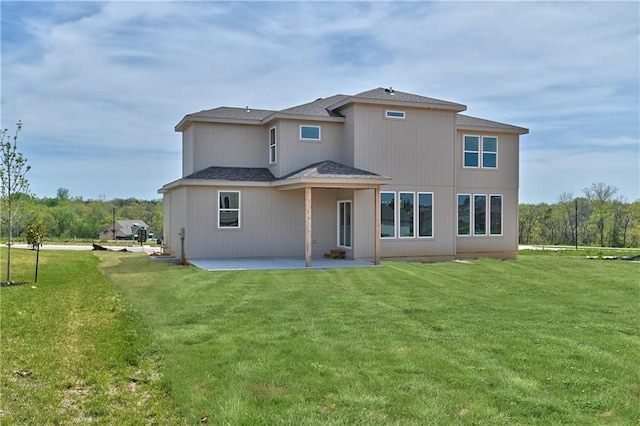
{"points": [[228, 209], [425, 214], [406, 213], [480, 152], [344, 224], [495, 203], [489, 152], [464, 214], [394, 114], [273, 143], [387, 214], [479, 213], [309, 133]]}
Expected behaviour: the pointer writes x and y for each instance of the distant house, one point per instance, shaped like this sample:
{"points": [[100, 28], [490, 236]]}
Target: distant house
{"points": [[125, 230], [380, 174]]}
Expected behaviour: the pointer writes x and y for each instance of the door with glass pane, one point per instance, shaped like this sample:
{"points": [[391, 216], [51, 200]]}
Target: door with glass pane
{"points": [[344, 224]]}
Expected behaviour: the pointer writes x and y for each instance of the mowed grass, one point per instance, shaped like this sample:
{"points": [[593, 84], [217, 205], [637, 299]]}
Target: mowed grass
{"points": [[71, 349], [538, 340]]}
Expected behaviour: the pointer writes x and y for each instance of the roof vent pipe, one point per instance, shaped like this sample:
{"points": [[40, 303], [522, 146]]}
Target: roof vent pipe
{"points": [[246, 109]]}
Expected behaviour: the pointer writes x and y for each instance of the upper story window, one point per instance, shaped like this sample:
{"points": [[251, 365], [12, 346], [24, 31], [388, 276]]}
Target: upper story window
{"points": [[480, 152], [229, 209], [394, 114], [489, 152], [309, 133], [272, 145]]}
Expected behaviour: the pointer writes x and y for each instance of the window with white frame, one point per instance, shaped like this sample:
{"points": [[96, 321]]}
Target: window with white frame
{"points": [[344, 224], [387, 214], [471, 151], [479, 213], [412, 213], [495, 203], [394, 114], [272, 145], [425, 214], [228, 209], [480, 152], [464, 214], [406, 213], [489, 152], [309, 133]]}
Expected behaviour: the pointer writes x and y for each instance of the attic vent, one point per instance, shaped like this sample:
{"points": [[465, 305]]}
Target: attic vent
{"points": [[246, 109], [390, 91]]}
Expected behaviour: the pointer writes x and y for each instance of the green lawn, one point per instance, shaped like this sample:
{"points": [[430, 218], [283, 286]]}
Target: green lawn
{"points": [[540, 340], [71, 349]]}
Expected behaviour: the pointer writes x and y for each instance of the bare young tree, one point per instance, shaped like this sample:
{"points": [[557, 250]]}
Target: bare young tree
{"points": [[600, 194], [13, 167]]}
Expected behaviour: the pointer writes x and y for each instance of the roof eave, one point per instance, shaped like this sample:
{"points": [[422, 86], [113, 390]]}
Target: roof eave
{"points": [[511, 129], [301, 117], [423, 105], [330, 182], [210, 182], [187, 120]]}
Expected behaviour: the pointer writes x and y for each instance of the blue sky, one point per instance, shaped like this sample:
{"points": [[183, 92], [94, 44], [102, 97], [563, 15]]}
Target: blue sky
{"points": [[99, 86]]}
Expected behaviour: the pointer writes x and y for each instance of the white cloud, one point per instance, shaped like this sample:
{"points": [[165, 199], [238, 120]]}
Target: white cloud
{"points": [[114, 78]]}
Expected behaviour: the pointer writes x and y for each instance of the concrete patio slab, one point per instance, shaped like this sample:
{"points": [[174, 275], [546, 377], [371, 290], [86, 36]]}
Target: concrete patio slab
{"points": [[244, 264]]}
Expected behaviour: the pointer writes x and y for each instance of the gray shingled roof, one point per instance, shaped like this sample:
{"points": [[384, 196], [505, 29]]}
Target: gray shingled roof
{"points": [[233, 113], [383, 94], [243, 174], [466, 120], [323, 169], [331, 169], [319, 107]]}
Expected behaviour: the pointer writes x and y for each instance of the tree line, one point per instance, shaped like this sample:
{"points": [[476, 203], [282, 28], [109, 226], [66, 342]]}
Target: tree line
{"points": [[597, 218], [65, 217]]}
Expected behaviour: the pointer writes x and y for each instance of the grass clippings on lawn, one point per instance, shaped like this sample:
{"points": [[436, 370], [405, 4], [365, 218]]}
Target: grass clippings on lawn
{"points": [[73, 351], [538, 340]]}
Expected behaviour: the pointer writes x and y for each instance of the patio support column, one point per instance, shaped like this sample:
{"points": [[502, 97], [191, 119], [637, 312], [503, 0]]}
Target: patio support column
{"points": [[307, 225], [376, 227]]}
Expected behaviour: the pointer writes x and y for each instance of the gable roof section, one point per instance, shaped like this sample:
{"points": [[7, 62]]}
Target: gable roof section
{"points": [[322, 109], [325, 173], [393, 97], [330, 169], [466, 122], [226, 115], [318, 108]]}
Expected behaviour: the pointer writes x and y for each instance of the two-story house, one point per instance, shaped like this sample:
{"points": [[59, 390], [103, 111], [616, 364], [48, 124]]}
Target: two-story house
{"points": [[380, 174]]}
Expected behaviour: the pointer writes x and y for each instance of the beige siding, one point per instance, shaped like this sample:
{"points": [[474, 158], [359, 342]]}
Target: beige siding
{"points": [[442, 244], [497, 246], [272, 223], [177, 209], [296, 154], [348, 134], [418, 150], [187, 151], [501, 181], [232, 145], [506, 176]]}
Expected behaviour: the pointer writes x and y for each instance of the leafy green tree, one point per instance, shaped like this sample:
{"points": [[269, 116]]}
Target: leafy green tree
{"points": [[13, 167], [35, 230]]}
